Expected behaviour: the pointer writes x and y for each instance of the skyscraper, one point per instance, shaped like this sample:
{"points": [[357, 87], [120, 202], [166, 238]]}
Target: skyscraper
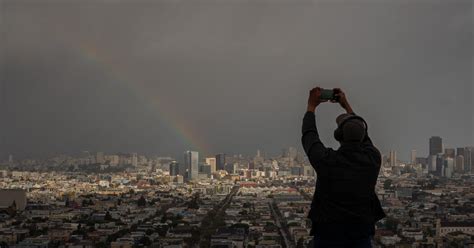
{"points": [[182, 170], [211, 162], [251, 165], [468, 161], [432, 163], [205, 169], [259, 158], [393, 158], [413, 157], [174, 168], [99, 158], [230, 168], [448, 167], [220, 161], [449, 152], [460, 151], [436, 145], [292, 152], [134, 159], [459, 168], [191, 163], [439, 166]]}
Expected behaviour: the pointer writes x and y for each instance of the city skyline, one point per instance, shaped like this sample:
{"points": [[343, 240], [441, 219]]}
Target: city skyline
{"points": [[435, 146]]}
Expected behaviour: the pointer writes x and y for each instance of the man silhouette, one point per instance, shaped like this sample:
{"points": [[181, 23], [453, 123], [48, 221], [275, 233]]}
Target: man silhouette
{"points": [[345, 206]]}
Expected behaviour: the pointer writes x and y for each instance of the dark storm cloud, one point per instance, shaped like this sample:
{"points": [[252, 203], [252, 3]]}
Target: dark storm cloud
{"points": [[236, 72]]}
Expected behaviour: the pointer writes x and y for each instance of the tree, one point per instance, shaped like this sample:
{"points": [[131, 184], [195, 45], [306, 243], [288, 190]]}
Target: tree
{"points": [[145, 241], [33, 229], [391, 224], [141, 202], [108, 217], [387, 184], [101, 245], [241, 225]]}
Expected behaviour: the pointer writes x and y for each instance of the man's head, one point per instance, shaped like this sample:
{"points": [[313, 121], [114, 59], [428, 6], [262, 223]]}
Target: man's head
{"points": [[350, 128]]}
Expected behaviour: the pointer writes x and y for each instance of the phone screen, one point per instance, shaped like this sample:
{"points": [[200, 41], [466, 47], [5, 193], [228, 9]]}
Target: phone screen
{"points": [[327, 94]]}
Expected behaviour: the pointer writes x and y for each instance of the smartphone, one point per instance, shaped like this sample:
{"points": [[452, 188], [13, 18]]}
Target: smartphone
{"points": [[328, 95]]}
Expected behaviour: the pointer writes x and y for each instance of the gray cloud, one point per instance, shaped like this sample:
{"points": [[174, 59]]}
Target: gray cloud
{"points": [[119, 75]]}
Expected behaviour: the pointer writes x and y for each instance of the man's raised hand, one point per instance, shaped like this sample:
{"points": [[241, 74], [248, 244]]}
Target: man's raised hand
{"points": [[341, 96], [314, 99]]}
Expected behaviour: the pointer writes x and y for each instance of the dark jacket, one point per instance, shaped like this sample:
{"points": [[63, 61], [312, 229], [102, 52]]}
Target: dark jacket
{"points": [[344, 200]]}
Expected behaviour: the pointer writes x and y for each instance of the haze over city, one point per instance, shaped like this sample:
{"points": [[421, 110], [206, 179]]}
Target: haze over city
{"points": [[230, 76]]}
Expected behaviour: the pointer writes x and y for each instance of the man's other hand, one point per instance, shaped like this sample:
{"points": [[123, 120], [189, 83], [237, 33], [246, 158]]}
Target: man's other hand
{"points": [[343, 100], [314, 99]]}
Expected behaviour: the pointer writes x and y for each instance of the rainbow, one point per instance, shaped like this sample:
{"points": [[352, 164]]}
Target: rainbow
{"points": [[113, 71]]}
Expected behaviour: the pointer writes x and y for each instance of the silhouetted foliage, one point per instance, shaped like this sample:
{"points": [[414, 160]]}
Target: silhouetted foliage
{"points": [[141, 202]]}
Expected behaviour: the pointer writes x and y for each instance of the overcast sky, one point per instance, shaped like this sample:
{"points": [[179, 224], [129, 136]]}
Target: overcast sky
{"points": [[161, 77]]}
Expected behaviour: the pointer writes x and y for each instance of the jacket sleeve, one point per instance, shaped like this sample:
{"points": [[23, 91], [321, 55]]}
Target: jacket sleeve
{"points": [[312, 145]]}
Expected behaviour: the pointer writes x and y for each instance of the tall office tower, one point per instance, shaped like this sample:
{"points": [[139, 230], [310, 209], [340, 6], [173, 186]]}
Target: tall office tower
{"points": [[134, 160], [231, 168], [413, 157], [449, 152], [432, 163], [468, 160], [436, 145], [220, 161], [174, 168], [191, 163], [460, 151], [212, 162], [251, 165], [182, 170], [99, 158], [205, 169], [440, 165], [292, 152], [258, 159], [448, 167], [459, 168], [393, 158]]}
